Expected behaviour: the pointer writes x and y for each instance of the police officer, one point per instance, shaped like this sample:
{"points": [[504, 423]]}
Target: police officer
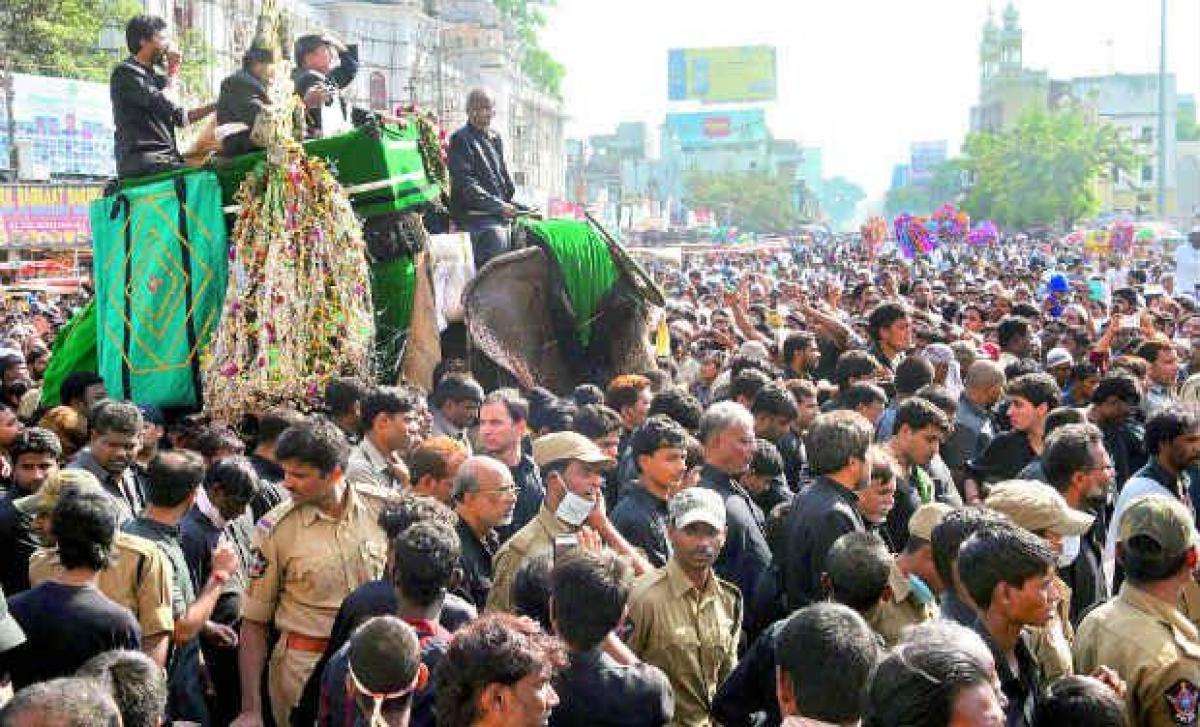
{"points": [[1140, 633], [912, 578], [309, 554], [684, 619]]}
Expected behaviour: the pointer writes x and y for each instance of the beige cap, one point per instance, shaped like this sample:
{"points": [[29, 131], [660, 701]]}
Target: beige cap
{"points": [[567, 445], [43, 501], [1164, 520], [1037, 506], [696, 505], [926, 518]]}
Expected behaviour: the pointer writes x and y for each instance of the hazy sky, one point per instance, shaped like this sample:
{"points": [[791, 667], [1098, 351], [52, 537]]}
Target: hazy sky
{"points": [[858, 78]]}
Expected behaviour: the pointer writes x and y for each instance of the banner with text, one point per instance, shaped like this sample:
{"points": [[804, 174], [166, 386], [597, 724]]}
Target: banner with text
{"points": [[46, 215], [743, 74]]}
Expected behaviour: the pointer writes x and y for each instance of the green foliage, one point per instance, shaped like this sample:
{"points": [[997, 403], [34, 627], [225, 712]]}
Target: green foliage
{"points": [[536, 62], [1044, 170], [752, 201], [1186, 128], [839, 198], [61, 37]]}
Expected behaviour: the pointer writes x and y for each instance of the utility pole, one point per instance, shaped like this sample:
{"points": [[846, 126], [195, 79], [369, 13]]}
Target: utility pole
{"points": [[1162, 114]]}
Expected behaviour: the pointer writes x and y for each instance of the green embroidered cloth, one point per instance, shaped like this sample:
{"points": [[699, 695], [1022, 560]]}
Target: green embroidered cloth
{"points": [[586, 264]]}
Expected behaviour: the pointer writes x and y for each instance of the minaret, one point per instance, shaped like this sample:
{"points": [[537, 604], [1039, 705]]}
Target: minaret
{"points": [[1011, 42], [989, 51]]}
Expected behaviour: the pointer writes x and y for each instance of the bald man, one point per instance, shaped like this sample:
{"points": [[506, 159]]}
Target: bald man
{"points": [[973, 427], [485, 497], [481, 189]]}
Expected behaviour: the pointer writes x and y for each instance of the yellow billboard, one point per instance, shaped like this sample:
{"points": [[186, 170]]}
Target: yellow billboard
{"points": [[721, 75]]}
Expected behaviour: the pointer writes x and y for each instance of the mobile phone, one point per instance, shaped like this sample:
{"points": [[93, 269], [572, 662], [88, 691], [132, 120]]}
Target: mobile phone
{"points": [[564, 544]]}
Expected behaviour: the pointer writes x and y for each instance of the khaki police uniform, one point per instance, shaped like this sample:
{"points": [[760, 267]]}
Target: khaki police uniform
{"points": [[1154, 648], [303, 565], [890, 618], [689, 633], [530, 540], [138, 578]]}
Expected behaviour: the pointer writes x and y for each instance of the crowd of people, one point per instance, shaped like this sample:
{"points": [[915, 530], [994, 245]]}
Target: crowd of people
{"points": [[859, 490]]}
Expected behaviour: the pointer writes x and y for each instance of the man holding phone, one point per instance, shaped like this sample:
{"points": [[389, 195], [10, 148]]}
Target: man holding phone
{"points": [[144, 116]]}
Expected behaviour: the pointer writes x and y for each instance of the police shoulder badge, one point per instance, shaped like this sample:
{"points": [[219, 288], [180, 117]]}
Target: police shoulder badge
{"points": [[1182, 699], [257, 565]]}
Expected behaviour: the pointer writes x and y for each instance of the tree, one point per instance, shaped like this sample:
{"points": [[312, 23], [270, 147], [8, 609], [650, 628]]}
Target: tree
{"points": [[754, 201], [1044, 170], [536, 63], [60, 37], [839, 198]]}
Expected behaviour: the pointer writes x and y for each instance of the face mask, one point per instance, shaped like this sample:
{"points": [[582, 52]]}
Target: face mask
{"points": [[573, 509], [921, 592], [1071, 545]]}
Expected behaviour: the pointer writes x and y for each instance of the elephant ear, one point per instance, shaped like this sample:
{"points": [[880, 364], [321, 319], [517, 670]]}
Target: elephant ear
{"points": [[507, 314]]}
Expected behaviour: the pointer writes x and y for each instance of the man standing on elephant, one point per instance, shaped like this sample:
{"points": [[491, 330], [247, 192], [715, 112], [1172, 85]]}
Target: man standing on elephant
{"points": [[481, 189]]}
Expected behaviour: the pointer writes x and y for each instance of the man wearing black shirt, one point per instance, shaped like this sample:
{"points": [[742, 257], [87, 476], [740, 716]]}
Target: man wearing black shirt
{"points": [[481, 188], [144, 117], [502, 427], [1079, 467], [827, 509], [589, 592], [659, 448], [67, 620], [1009, 573], [727, 433], [35, 455], [484, 497], [115, 428], [1030, 399]]}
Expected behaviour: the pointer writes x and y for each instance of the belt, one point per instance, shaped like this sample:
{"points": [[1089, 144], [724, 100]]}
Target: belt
{"points": [[300, 642]]}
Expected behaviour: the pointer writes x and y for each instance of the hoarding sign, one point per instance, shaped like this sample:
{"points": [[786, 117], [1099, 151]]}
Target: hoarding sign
{"points": [[68, 125], [743, 74], [46, 215], [713, 129]]}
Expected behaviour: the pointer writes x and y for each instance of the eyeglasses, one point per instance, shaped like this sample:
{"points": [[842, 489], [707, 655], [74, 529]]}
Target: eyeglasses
{"points": [[510, 490]]}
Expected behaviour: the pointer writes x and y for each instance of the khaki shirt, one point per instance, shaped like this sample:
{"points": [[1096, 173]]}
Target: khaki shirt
{"points": [[691, 635], [536, 536], [890, 618], [138, 578], [304, 563], [1153, 647]]}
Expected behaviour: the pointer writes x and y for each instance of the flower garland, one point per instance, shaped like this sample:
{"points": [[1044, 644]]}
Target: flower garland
{"points": [[298, 307]]}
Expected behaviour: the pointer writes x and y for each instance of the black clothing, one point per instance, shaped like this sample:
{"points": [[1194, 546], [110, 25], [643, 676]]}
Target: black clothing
{"points": [[795, 462], [199, 536], [476, 564], [17, 543], [64, 627], [479, 178], [373, 598], [1126, 445], [144, 120], [957, 610], [1021, 689], [641, 518], [747, 696], [1085, 576], [530, 494], [185, 698], [769, 603], [595, 691], [777, 491], [241, 99], [270, 490], [1004, 457], [127, 489], [820, 514], [745, 556]]}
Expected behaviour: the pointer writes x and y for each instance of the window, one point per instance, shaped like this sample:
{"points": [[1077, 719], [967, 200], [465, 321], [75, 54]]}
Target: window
{"points": [[1147, 135], [1148, 173]]}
